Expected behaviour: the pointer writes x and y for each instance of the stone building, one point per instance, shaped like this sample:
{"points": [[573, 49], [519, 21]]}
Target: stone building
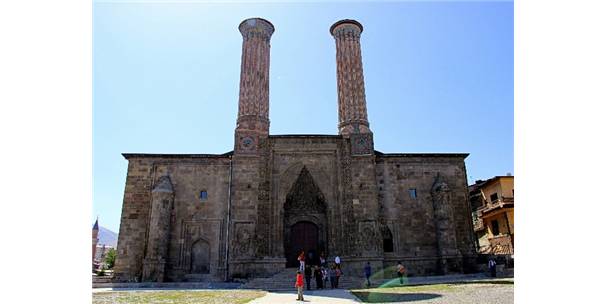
{"points": [[248, 212], [492, 213]]}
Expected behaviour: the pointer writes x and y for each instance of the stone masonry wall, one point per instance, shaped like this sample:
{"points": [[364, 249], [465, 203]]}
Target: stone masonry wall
{"points": [[134, 220], [191, 219], [411, 220]]}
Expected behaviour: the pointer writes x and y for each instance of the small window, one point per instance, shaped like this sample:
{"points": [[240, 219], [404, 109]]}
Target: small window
{"points": [[413, 193], [203, 195], [495, 227], [494, 197]]}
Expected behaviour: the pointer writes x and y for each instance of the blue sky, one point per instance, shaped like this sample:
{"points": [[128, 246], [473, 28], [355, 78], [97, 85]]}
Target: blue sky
{"points": [[438, 76]]}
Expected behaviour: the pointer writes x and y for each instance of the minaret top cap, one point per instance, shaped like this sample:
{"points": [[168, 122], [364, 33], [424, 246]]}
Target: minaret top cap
{"points": [[259, 24], [344, 21]]}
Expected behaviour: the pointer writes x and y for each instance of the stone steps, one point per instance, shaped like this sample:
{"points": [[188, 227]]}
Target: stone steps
{"points": [[169, 285], [285, 280], [102, 279]]}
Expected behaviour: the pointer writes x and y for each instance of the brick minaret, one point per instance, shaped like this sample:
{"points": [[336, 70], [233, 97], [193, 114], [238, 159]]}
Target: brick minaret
{"points": [[95, 237], [350, 78], [253, 105]]}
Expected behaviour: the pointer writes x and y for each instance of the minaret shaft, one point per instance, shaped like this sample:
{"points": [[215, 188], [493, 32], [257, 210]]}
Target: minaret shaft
{"points": [[353, 117]]}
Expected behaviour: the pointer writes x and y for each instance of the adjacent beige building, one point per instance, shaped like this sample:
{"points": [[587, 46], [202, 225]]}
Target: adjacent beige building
{"points": [[492, 204]]}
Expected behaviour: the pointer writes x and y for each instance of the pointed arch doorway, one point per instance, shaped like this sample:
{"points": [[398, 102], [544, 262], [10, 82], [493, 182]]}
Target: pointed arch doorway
{"points": [[304, 221], [304, 236]]}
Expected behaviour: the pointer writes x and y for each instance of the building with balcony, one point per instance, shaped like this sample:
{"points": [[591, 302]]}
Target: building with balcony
{"points": [[492, 213]]}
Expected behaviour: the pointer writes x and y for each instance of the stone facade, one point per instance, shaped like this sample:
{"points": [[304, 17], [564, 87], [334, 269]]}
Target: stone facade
{"points": [[248, 212]]}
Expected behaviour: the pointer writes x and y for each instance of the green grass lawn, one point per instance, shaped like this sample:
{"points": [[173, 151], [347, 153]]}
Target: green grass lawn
{"points": [[391, 293], [177, 296]]}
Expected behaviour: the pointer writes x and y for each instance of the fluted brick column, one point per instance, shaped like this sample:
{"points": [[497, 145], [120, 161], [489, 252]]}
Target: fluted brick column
{"points": [[159, 230], [253, 105], [350, 78]]}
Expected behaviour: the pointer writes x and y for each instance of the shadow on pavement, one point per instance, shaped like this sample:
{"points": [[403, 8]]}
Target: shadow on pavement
{"points": [[384, 297]]}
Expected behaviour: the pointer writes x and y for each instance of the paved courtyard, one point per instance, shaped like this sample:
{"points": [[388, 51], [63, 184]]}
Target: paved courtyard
{"points": [[498, 292], [488, 292]]}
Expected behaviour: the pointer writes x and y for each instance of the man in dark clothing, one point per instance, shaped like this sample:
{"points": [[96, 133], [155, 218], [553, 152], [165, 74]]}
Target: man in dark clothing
{"points": [[367, 273], [319, 278], [308, 276]]}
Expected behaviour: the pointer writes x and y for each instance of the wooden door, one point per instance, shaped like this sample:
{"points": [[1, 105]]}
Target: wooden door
{"points": [[303, 236]]}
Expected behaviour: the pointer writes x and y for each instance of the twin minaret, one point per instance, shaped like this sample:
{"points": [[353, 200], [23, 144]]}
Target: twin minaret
{"points": [[253, 105]]}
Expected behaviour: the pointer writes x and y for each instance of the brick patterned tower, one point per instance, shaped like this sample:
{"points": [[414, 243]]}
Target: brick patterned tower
{"points": [[353, 119], [350, 78], [253, 105]]}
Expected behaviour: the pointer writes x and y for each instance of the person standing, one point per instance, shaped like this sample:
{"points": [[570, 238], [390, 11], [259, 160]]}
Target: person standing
{"points": [[299, 286], [318, 276], [301, 259], [401, 270], [333, 276], [367, 273], [492, 266], [308, 276], [338, 273]]}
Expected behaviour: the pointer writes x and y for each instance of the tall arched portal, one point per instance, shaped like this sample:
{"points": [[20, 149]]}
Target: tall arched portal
{"points": [[304, 220]]}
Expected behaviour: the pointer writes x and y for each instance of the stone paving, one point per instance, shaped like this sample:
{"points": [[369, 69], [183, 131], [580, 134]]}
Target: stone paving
{"points": [[338, 296], [485, 293], [468, 290]]}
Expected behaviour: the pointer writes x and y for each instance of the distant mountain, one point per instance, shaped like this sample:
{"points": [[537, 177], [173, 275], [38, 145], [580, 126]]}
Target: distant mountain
{"points": [[107, 237]]}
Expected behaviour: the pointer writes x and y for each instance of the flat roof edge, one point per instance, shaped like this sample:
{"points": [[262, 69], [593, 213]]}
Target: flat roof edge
{"points": [[158, 155], [454, 155]]}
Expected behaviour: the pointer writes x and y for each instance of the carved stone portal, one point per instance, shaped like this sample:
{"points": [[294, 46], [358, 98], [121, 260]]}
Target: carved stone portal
{"points": [[304, 218]]}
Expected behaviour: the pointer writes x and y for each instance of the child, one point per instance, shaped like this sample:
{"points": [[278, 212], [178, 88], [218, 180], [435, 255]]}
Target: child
{"points": [[299, 286]]}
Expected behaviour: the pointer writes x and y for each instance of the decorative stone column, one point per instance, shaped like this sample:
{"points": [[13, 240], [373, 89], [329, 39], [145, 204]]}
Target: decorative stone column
{"points": [[159, 231], [446, 237], [350, 78], [253, 105]]}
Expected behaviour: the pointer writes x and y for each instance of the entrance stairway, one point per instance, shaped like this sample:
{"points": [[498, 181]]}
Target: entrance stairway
{"points": [[285, 280]]}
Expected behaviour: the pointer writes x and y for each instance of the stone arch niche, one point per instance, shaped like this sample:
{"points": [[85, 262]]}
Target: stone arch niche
{"points": [[387, 239], [200, 257], [305, 225]]}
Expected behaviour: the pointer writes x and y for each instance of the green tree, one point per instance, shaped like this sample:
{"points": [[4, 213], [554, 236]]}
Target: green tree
{"points": [[110, 258]]}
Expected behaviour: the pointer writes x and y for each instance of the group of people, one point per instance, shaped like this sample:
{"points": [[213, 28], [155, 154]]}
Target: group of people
{"points": [[323, 272]]}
